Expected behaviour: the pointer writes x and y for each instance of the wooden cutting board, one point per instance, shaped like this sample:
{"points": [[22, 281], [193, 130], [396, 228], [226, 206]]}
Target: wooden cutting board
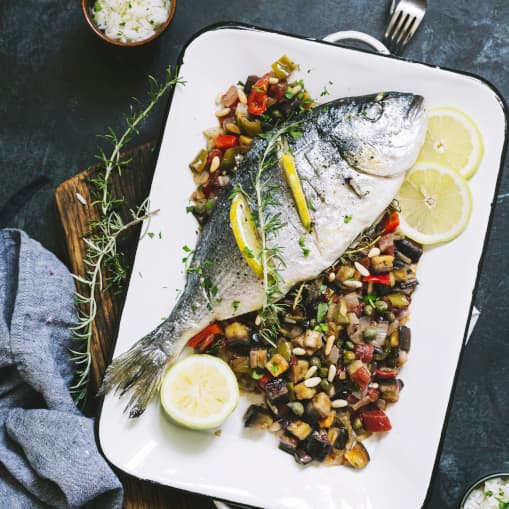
{"points": [[133, 187]]}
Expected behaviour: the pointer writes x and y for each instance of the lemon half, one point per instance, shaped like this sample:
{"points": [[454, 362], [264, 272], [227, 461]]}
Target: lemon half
{"points": [[435, 202], [199, 392], [245, 233], [453, 140]]}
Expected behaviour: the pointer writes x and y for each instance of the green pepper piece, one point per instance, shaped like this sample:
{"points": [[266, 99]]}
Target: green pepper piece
{"points": [[228, 160], [398, 300], [200, 161], [285, 349], [386, 351], [250, 127], [283, 67]]}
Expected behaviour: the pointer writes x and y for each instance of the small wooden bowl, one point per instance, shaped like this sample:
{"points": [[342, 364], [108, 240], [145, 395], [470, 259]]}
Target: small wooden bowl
{"points": [[86, 7]]}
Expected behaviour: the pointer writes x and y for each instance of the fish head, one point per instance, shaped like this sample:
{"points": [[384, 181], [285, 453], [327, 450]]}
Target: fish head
{"points": [[378, 134]]}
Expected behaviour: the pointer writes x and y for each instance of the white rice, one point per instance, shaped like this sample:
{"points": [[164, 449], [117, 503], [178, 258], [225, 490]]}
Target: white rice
{"points": [[130, 20], [489, 495]]}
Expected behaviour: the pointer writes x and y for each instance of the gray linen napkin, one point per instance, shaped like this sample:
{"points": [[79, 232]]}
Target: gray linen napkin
{"points": [[48, 455]]}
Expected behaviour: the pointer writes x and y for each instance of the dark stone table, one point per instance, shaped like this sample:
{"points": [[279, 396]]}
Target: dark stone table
{"points": [[61, 86]]}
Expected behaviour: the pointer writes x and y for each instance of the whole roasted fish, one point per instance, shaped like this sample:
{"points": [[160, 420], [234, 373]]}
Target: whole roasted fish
{"points": [[351, 155]]}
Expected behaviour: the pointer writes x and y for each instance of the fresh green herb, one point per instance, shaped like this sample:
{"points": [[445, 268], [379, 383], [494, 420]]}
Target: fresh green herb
{"points": [[489, 493], [321, 313], [150, 235], [256, 375], [104, 267], [322, 327], [98, 7], [160, 235], [323, 288], [235, 305], [347, 219], [209, 204], [190, 208], [274, 367], [249, 253], [288, 93], [324, 92], [370, 299], [265, 117], [301, 83], [305, 250], [241, 84]]}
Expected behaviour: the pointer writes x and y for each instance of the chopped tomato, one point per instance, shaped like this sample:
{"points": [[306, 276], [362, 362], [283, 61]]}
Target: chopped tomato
{"points": [[213, 328], [257, 99], [375, 420], [213, 153], [224, 141], [373, 394], [264, 380], [385, 373], [361, 376], [391, 222], [364, 352]]}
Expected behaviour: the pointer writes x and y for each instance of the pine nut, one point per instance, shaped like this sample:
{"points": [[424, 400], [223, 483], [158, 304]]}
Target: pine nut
{"points": [[223, 112], [258, 322], [242, 96], [350, 283], [299, 351], [219, 98], [329, 344], [332, 373], [233, 128], [373, 385], [374, 251], [331, 277], [312, 382], [339, 403], [311, 371], [360, 268], [214, 164], [273, 80], [342, 307]]}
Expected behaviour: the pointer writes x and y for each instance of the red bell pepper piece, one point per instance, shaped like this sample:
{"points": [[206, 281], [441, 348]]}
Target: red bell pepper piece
{"points": [[264, 380], [224, 141], [391, 222], [206, 343], [381, 279], [213, 328], [375, 420], [361, 376], [257, 99], [364, 352], [385, 373]]}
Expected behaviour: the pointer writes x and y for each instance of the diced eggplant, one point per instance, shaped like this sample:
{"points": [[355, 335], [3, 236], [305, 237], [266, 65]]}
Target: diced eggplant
{"points": [[240, 365], [236, 334], [288, 443], [318, 445], [250, 81], [277, 365], [389, 390], [408, 285], [322, 404], [302, 391], [409, 248], [257, 357], [357, 456], [299, 429], [302, 457], [345, 272], [382, 263], [298, 371], [276, 391], [392, 360], [312, 341], [310, 414], [342, 438], [258, 417], [405, 337]]}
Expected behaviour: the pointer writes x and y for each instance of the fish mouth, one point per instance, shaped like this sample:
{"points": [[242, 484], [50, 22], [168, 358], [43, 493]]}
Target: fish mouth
{"points": [[415, 108]]}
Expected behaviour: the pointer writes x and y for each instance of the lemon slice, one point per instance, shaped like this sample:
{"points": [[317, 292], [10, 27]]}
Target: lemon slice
{"points": [[453, 140], [293, 181], [435, 203], [245, 233], [199, 392]]}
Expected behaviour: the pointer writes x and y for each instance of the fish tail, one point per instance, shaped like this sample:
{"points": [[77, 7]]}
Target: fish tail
{"points": [[139, 371]]}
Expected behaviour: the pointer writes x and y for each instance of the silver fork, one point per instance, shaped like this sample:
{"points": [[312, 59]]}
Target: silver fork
{"points": [[406, 18]]}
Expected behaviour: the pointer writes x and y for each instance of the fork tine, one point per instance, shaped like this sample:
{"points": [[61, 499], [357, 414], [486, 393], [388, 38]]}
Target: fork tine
{"points": [[395, 18], [409, 21], [412, 30], [398, 27]]}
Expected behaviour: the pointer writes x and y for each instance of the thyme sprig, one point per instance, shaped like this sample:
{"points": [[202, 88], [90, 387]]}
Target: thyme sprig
{"points": [[103, 264], [269, 223]]}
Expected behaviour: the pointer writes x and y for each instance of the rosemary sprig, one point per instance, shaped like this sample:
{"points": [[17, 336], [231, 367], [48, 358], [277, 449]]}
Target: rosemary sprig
{"points": [[102, 258], [268, 224]]}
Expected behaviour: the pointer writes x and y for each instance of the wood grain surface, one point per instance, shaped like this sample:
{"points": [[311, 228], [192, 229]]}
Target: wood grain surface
{"points": [[132, 186]]}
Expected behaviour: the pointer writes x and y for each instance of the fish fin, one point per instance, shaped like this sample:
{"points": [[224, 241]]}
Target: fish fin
{"points": [[139, 371]]}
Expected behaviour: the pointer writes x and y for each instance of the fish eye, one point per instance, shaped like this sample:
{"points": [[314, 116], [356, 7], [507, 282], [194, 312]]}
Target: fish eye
{"points": [[372, 111]]}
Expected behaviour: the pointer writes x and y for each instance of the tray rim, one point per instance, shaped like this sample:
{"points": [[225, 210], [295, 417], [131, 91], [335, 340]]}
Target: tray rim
{"points": [[221, 25]]}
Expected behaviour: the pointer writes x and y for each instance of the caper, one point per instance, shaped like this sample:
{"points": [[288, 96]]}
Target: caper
{"points": [[348, 357], [325, 385], [390, 317], [368, 310], [349, 345], [339, 343], [357, 424], [381, 306], [323, 372], [370, 333], [296, 407], [315, 361]]}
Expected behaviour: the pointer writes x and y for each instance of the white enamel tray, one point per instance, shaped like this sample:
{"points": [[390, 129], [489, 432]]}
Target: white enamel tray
{"points": [[247, 468]]}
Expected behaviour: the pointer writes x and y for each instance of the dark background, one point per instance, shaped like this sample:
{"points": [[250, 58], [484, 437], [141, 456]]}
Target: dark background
{"points": [[60, 86]]}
